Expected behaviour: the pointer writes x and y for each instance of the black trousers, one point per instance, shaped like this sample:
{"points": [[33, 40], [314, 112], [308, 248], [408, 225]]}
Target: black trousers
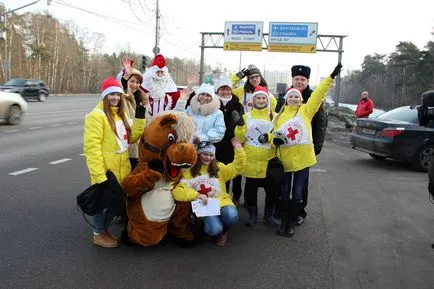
{"points": [[305, 196], [236, 188], [251, 193]]}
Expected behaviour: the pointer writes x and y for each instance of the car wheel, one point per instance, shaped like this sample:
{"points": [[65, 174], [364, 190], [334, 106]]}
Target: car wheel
{"points": [[14, 115], [377, 157], [422, 159], [42, 97]]}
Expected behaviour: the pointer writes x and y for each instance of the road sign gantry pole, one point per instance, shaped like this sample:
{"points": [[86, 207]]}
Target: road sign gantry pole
{"points": [[326, 43]]}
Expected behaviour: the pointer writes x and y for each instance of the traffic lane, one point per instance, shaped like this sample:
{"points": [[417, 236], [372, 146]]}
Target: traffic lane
{"points": [[64, 103], [52, 248], [37, 148], [44, 121], [60, 110], [378, 219]]}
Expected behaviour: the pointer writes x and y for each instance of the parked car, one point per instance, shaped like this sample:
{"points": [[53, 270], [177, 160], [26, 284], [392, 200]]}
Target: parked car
{"points": [[28, 88], [12, 107], [396, 134]]}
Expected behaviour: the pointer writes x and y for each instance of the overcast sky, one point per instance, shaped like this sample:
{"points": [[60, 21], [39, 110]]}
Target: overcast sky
{"points": [[372, 26]]}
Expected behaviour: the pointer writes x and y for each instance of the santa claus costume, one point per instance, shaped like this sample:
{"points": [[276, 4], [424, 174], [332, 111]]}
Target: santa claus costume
{"points": [[162, 90]]}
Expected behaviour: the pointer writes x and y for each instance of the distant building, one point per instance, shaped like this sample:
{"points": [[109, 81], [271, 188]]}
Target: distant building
{"points": [[274, 77]]}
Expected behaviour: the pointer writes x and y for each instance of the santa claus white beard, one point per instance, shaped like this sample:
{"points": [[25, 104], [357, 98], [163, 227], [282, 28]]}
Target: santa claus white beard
{"points": [[158, 87]]}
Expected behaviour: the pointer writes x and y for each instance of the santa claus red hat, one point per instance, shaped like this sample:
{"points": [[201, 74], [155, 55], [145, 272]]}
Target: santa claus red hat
{"points": [[159, 62], [292, 89], [260, 90], [110, 85]]}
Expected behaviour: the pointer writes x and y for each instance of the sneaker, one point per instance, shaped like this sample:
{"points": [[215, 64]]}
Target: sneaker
{"points": [[299, 221], [222, 239], [105, 240]]}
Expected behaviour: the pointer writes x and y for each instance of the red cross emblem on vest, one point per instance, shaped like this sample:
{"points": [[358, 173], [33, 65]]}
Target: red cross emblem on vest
{"points": [[291, 133], [204, 190]]}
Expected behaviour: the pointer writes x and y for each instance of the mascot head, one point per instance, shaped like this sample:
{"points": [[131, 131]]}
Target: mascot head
{"points": [[166, 144]]}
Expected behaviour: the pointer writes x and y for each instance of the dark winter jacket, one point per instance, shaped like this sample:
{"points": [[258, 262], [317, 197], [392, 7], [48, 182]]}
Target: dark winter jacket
{"points": [[224, 149], [319, 123]]}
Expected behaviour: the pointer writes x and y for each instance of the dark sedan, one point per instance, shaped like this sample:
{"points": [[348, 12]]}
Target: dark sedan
{"points": [[397, 135], [27, 88]]}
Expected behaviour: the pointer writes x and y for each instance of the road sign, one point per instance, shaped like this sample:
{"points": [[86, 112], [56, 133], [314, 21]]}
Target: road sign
{"points": [[292, 37], [156, 50], [243, 36]]}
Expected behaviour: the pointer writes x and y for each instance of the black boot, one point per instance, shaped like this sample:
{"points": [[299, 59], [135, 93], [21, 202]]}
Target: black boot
{"points": [[290, 229], [294, 213], [269, 218], [285, 206], [253, 216]]}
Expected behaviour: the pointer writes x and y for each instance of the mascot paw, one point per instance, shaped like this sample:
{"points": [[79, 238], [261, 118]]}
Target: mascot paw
{"points": [[148, 178]]}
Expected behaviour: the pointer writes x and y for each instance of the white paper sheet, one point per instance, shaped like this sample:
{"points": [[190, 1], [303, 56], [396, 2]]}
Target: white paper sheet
{"points": [[212, 208]]}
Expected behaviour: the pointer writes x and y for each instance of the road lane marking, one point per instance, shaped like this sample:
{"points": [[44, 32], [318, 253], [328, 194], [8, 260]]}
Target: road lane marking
{"points": [[82, 155], [59, 161], [317, 170], [22, 171], [35, 127], [74, 122], [57, 124], [59, 112], [12, 130]]}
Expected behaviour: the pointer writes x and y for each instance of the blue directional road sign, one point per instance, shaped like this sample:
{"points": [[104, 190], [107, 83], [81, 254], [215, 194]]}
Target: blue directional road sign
{"points": [[243, 36], [292, 37]]}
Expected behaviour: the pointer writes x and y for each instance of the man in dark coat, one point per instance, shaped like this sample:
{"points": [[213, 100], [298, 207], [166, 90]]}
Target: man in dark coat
{"points": [[224, 149]]}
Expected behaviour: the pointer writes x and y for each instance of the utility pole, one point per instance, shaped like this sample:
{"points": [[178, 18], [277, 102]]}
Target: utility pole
{"points": [[156, 49]]}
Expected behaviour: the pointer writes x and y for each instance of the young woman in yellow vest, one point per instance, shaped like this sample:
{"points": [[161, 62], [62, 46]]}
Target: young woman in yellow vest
{"points": [[207, 179], [108, 131], [293, 135], [254, 131]]}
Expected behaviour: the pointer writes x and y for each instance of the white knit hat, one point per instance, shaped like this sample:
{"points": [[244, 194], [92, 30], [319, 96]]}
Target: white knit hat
{"points": [[206, 88], [205, 147], [220, 82], [290, 90]]}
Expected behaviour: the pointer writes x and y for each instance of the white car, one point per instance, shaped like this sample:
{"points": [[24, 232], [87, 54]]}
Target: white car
{"points": [[13, 107]]}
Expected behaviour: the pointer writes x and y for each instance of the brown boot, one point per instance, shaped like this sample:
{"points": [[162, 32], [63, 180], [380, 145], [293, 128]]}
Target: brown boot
{"points": [[222, 239], [105, 240]]}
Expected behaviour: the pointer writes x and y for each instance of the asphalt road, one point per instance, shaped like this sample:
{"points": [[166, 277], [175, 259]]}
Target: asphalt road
{"points": [[370, 223]]}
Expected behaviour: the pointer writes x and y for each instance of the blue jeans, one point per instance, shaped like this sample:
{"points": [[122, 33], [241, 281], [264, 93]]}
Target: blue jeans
{"points": [[101, 221], [294, 184], [215, 225]]}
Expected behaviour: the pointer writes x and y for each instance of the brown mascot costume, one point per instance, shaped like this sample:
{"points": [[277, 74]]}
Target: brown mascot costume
{"points": [[165, 149]]}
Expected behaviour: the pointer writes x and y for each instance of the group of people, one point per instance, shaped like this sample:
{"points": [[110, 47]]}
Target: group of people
{"points": [[240, 132]]}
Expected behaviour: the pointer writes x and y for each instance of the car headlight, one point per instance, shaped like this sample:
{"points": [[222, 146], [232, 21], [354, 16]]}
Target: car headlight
{"points": [[7, 90]]}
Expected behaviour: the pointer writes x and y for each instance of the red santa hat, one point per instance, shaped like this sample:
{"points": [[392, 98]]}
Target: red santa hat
{"points": [[260, 90], [159, 62], [291, 90], [110, 85]]}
